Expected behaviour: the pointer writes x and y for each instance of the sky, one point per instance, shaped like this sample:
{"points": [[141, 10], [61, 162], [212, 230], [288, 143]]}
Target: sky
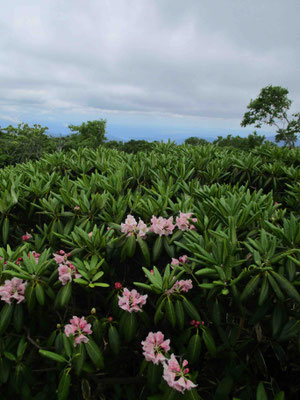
{"points": [[154, 69]]}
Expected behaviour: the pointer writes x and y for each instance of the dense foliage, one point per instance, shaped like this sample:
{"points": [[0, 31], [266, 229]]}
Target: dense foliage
{"points": [[217, 274], [271, 108]]}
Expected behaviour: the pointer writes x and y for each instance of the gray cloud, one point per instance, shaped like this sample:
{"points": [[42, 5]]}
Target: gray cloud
{"points": [[168, 57]]}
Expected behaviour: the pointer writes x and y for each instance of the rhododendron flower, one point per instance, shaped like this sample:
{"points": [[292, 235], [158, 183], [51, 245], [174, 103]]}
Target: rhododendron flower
{"points": [[142, 229], [67, 272], [155, 346], [78, 328], [182, 221], [132, 300], [26, 237], [131, 227], [175, 375], [60, 258], [181, 286], [162, 226], [182, 260], [13, 289]]}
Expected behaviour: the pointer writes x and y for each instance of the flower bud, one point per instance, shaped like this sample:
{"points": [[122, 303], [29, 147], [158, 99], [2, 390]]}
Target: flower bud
{"points": [[93, 310]]}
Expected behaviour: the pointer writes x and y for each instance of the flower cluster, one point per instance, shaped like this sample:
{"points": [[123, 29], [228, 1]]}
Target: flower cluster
{"points": [[131, 301], [78, 327], [13, 289], [132, 227], [182, 260], [159, 225], [176, 375], [180, 286], [182, 222], [162, 226], [66, 269], [155, 348]]}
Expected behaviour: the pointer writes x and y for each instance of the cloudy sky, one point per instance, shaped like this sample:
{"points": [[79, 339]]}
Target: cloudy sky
{"points": [[152, 68]]}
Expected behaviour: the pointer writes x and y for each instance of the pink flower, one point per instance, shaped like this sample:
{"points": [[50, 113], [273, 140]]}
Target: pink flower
{"points": [[182, 221], [175, 375], [129, 226], [67, 272], [132, 227], [60, 258], [142, 229], [90, 234], [13, 289], [26, 237], [154, 346], [181, 286], [131, 300], [162, 226], [78, 328], [182, 260]]}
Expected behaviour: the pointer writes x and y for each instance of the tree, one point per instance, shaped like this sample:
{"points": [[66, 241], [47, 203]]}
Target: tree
{"points": [[91, 133], [195, 141], [271, 108]]}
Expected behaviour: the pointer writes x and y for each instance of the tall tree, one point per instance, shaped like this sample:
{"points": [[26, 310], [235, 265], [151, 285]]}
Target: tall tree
{"points": [[91, 133], [271, 108]]}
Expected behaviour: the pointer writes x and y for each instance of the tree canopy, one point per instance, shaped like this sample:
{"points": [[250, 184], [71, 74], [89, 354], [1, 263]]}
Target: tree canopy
{"points": [[271, 108]]}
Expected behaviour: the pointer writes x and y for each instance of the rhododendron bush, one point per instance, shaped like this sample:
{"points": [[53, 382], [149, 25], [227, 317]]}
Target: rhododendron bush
{"points": [[171, 276]]}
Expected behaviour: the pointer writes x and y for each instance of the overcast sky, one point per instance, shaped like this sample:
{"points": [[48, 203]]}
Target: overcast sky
{"points": [[150, 67]]}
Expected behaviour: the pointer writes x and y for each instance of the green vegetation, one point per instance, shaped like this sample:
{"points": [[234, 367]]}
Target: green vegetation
{"points": [[271, 108], [233, 314]]}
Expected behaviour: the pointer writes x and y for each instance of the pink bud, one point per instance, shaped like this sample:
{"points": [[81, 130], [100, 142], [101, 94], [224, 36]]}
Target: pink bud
{"points": [[152, 271], [118, 285], [192, 322], [186, 371], [109, 319], [61, 252], [185, 363]]}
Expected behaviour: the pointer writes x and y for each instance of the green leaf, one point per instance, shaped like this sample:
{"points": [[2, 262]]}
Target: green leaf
{"points": [[128, 325], [209, 342], [190, 309], [30, 296], [18, 317], [179, 314], [5, 317], [5, 230], [170, 312], [264, 290], [260, 392], [278, 316], [65, 294], [94, 353], [159, 311], [114, 339], [154, 376], [276, 288], [67, 346], [64, 386], [290, 330], [53, 356], [40, 295], [279, 396], [157, 248], [194, 348], [145, 251], [250, 287], [287, 286], [131, 246]]}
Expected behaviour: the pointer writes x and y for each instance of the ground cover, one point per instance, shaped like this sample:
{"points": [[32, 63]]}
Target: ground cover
{"points": [[168, 275]]}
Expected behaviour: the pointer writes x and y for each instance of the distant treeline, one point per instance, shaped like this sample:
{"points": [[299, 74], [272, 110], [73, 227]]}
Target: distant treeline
{"points": [[23, 143]]}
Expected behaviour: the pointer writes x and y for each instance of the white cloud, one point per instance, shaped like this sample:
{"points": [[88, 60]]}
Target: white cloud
{"points": [[198, 59]]}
